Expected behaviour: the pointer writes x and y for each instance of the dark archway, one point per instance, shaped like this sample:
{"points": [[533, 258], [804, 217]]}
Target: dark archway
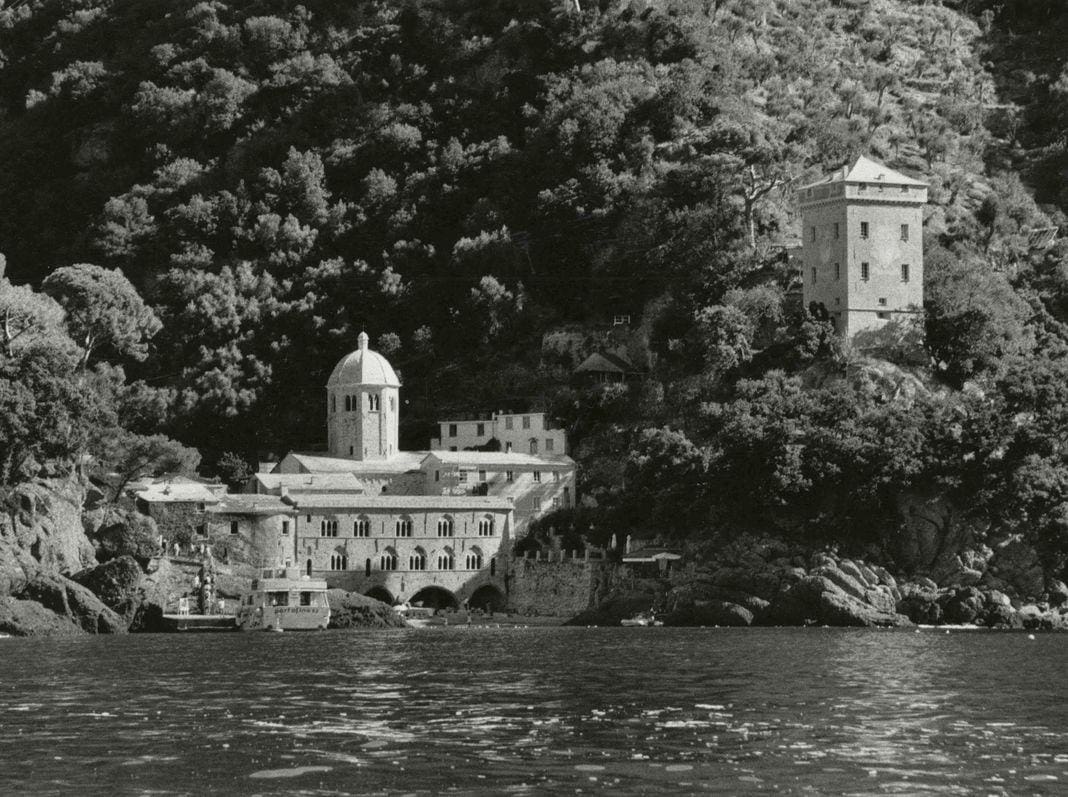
{"points": [[380, 594], [435, 598], [488, 598]]}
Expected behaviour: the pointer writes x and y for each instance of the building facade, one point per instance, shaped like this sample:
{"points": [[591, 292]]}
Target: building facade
{"points": [[519, 432], [862, 246]]}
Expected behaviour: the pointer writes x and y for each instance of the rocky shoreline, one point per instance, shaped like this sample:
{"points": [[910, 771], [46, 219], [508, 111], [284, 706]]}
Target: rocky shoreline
{"points": [[825, 589]]}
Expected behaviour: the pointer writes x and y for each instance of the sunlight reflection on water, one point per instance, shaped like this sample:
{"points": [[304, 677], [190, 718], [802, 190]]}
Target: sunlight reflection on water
{"points": [[470, 710]]}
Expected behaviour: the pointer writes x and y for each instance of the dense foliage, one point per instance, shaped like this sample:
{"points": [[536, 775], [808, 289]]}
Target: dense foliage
{"points": [[460, 178]]}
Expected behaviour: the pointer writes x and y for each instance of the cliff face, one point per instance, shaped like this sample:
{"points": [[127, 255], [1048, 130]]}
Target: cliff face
{"points": [[42, 543]]}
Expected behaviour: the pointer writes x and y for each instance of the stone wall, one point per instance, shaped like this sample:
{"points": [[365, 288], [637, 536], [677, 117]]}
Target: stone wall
{"points": [[557, 588]]}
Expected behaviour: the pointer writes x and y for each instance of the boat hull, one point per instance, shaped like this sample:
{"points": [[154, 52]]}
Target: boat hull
{"points": [[284, 618]]}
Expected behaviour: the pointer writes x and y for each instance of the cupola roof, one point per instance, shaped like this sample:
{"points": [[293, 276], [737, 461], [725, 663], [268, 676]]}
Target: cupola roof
{"points": [[363, 367]]}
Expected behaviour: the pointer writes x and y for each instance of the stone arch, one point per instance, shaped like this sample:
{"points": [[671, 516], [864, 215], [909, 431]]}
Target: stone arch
{"points": [[488, 598], [380, 593], [434, 597]]}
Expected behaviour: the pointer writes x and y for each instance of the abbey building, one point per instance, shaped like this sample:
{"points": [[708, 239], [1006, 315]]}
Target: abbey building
{"points": [[436, 525]]}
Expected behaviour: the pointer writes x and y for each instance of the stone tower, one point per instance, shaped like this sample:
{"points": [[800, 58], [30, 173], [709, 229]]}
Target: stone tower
{"points": [[862, 246], [362, 405]]}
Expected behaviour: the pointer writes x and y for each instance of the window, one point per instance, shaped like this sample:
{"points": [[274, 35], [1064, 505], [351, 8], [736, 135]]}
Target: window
{"points": [[865, 271], [309, 518], [836, 230], [533, 446], [567, 496], [509, 475], [482, 475], [882, 301], [361, 527], [445, 527], [338, 561], [904, 189], [837, 271], [813, 273], [548, 444], [837, 301], [509, 422], [373, 402], [452, 430], [556, 503], [904, 272], [285, 528], [463, 475], [404, 527], [473, 560], [387, 561], [367, 567], [417, 561], [328, 528], [445, 561], [480, 430], [884, 316], [864, 229], [202, 530], [904, 232], [348, 404], [862, 187], [812, 233], [508, 447], [233, 527], [351, 450], [526, 421], [437, 475], [556, 475], [485, 527], [392, 404], [333, 404], [537, 475]]}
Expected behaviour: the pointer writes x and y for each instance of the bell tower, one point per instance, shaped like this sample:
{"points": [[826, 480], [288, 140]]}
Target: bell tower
{"points": [[363, 405]]}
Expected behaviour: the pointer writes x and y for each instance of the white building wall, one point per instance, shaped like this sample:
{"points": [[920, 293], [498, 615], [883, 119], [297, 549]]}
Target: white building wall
{"points": [[523, 433]]}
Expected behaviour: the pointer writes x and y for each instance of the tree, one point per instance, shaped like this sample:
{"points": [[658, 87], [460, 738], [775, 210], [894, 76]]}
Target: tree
{"points": [[26, 317], [132, 456], [104, 311]]}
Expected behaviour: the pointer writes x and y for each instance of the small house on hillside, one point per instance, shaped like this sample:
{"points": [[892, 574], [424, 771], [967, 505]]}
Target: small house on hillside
{"points": [[606, 367], [651, 561]]}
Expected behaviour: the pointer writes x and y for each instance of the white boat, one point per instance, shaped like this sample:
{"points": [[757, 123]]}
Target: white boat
{"points": [[416, 616], [284, 600]]}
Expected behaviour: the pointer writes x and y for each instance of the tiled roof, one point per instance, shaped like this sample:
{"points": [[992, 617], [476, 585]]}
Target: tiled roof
{"points": [[305, 501], [310, 482], [865, 170], [606, 362], [400, 462], [184, 491], [246, 504], [500, 459]]}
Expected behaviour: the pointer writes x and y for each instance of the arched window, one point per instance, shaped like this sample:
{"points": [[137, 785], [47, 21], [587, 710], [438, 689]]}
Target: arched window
{"points": [[367, 567], [361, 527], [473, 560], [533, 445], [417, 560], [485, 526], [388, 560], [446, 560], [308, 566], [327, 528], [392, 404], [372, 402], [404, 527], [333, 403], [348, 404], [339, 561], [445, 526], [493, 565]]}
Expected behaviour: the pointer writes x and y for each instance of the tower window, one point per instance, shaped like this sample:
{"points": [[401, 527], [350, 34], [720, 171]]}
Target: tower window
{"points": [[537, 475], [837, 271], [813, 273], [904, 232], [509, 475], [812, 233], [864, 229], [865, 271], [348, 404], [333, 404], [904, 272], [836, 230], [373, 402]]}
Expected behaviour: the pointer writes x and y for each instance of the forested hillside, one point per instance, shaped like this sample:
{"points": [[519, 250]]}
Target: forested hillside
{"points": [[459, 177]]}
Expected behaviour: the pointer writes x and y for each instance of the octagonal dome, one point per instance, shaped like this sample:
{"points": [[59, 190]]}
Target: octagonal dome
{"points": [[363, 367]]}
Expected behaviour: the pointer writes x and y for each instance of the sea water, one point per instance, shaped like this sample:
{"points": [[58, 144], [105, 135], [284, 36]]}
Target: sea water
{"points": [[475, 710]]}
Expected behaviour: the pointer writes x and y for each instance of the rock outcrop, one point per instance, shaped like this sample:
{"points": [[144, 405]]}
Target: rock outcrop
{"points": [[353, 610]]}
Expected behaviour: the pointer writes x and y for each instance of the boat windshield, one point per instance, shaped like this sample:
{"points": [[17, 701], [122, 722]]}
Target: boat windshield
{"points": [[278, 598]]}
